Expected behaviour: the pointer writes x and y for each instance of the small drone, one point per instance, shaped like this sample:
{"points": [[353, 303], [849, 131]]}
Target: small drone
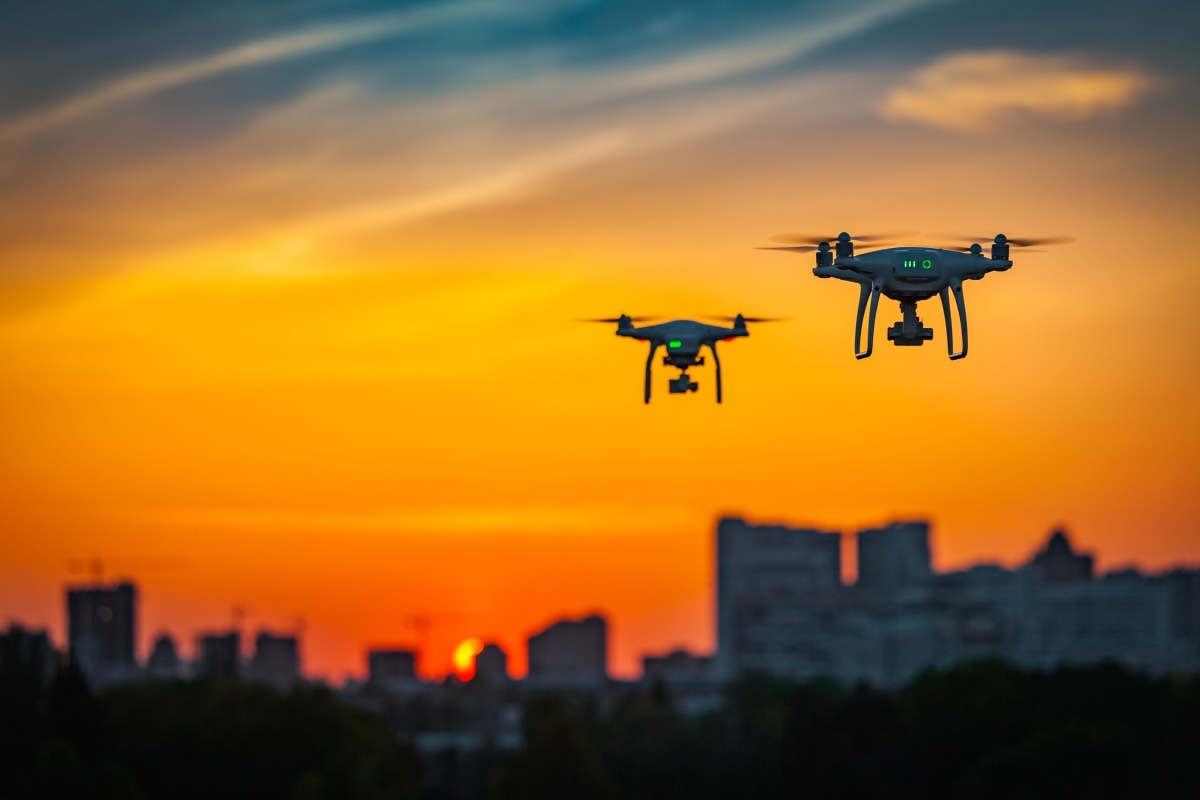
{"points": [[683, 339], [909, 275]]}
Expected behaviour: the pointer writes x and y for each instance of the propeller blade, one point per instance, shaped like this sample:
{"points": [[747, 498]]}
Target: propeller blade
{"points": [[1020, 242], [724, 318], [618, 319], [806, 248], [1024, 251], [1043, 240], [803, 238]]}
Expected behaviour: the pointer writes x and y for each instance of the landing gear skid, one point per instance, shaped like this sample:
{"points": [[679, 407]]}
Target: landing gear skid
{"points": [[909, 332], [682, 384]]}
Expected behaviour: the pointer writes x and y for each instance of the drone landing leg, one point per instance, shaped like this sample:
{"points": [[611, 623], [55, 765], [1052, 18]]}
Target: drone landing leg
{"points": [[716, 360], [944, 296], [956, 287], [873, 290], [649, 363]]}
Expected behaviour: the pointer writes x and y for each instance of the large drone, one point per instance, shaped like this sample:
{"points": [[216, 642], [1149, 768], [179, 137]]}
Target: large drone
{"points": [[908, 275], [683, 339]]}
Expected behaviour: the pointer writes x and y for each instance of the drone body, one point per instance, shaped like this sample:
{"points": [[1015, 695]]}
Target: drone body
{"points": [[909, 275], [683, 340]]}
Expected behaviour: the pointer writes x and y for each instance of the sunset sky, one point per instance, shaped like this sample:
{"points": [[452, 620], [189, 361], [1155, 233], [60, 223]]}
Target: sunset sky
{"points": [[288, 295]]}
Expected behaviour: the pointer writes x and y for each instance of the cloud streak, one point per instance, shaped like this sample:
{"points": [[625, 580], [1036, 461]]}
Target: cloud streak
{"points": [[610, 134], [737, 60], [251, 54], [622, 136], [972, 92], [323, 158]]}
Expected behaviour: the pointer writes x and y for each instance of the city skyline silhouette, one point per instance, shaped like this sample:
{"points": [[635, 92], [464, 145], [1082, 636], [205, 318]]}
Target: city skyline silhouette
{"points": [[429, 664]]}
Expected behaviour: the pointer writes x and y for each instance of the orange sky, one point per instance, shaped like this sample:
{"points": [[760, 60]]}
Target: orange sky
{"points": [[296, 368]]}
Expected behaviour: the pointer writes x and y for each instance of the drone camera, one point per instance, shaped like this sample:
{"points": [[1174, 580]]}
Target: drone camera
{"points": [[909, 332], [682, 384], [897, 336]]}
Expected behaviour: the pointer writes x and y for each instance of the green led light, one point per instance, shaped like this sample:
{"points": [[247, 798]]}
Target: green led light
{"points": [[926, 264], [674, 344]]}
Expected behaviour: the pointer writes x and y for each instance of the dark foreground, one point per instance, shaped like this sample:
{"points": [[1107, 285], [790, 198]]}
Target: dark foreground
{"points": [[980, 731]]}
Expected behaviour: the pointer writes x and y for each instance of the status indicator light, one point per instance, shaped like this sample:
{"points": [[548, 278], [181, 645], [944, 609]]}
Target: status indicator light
{"points": [[674, 344], [926, 264]]}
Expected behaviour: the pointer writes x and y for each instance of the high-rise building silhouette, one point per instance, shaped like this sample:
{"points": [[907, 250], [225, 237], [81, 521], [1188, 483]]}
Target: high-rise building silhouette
{"points": [[491, 665], [102, 631], [219, 655], [1058, 562], [276, 660], [781, 612], [894, 557], [164, 663], [677, 666], [767, 579], [387, 667], [570, 652], [27, 659]]}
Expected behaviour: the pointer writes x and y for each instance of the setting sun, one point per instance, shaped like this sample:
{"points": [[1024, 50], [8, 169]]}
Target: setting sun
{"points": [[464, 658]]}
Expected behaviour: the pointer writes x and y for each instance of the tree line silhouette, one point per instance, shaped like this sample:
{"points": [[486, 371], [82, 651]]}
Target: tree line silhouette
{"points": [[982, 730]]}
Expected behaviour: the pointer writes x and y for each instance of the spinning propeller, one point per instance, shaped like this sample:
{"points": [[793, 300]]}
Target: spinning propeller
{"points": [[805, 243], [803, 238], [622, 318], [741, 319], [1000, 238]]}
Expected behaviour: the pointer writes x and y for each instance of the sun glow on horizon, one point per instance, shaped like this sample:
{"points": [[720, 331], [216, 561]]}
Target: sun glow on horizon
{"points": [[464, 658]]}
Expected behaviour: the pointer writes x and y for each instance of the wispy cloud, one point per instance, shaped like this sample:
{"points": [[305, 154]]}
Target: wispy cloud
{"points": [[346, 159], [504, 182], [520, 175], [972, 92], [615, 122], [255, 53], [742, 58]]}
